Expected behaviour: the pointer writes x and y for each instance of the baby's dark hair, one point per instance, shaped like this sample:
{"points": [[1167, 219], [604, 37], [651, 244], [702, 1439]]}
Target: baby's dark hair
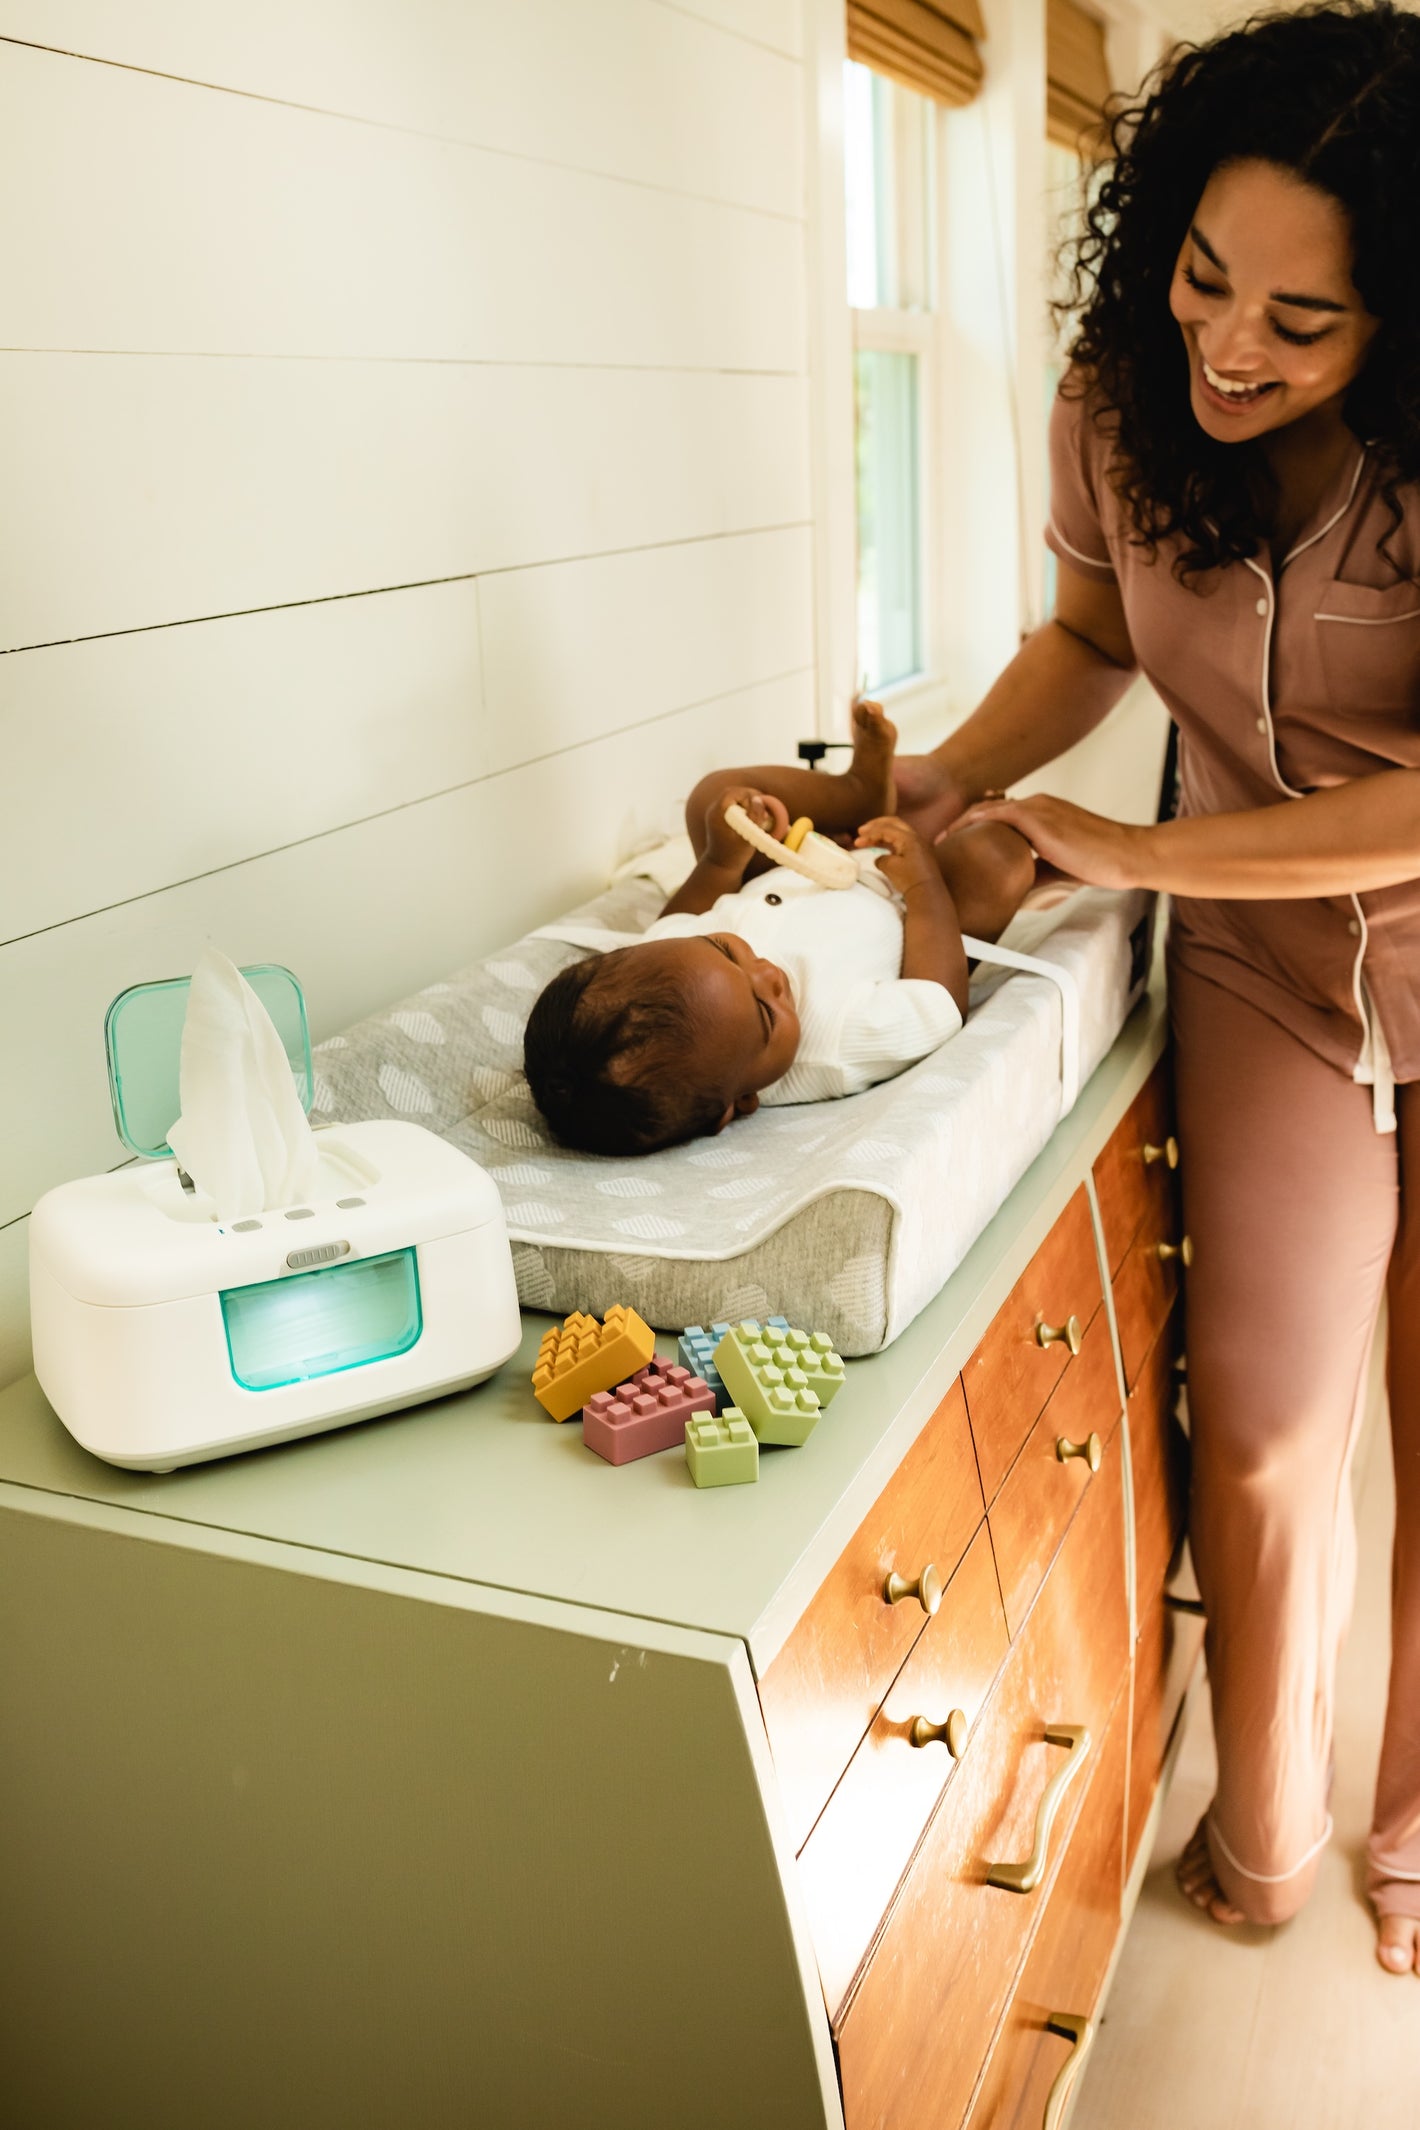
{"points": [[608, 1065]]}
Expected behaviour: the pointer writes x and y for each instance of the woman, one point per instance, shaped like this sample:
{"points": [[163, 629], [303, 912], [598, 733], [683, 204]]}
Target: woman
{"points": [[1236, 510]]}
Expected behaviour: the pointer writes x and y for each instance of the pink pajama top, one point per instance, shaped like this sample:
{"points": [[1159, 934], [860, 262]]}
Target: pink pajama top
{"points": [[1281, 682]]}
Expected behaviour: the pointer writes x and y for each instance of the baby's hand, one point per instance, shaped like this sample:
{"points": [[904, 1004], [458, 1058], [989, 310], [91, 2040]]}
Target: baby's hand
{"points": [[907, 861], [722, 844]]}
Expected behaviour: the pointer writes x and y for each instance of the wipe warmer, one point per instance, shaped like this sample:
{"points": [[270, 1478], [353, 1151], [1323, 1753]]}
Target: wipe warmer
{"points": [[164, 1336]]}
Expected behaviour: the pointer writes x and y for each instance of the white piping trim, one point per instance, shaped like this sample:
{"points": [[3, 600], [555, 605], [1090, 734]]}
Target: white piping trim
{"points": [[1095, 561], [1362, 621], [1386, 1871], [1271, 1878], [1373, 1068], [1314, 537]]}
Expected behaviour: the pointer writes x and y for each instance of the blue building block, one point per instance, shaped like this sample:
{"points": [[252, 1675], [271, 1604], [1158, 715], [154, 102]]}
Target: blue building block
{"points": [[695, 1350]]}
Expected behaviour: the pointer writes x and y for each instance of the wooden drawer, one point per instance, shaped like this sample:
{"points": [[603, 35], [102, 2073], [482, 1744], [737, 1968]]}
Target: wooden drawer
{"points": [[827, 1683], [853, 1860], [1066, 1965], [1158, 1450], [919, 2024], [1145, 1290], [1011, 1375], [1164, 1657], [1030, 1515], [1131, 1189]]}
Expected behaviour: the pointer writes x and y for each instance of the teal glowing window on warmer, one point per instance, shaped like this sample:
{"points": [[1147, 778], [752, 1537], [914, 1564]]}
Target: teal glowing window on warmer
{"points": [[318, 1323]]}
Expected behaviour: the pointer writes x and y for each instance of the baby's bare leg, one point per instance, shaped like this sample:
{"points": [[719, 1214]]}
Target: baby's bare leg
{"points": [[837, 805], [990, 871]]}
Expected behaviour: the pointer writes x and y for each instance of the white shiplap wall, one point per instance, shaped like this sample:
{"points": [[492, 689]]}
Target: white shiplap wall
{"points": [[404, 439]]}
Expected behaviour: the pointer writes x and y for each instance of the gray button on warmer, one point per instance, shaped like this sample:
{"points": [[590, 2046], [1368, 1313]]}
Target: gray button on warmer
{"points": [[301, 1213], [343, 1203], [244, 1227], [319, 1254]]}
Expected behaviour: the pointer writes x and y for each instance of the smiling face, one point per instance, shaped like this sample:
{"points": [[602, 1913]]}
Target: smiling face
{"points": [[1263, 295]]}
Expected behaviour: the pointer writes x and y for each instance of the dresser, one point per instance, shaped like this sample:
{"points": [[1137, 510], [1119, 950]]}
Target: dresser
{"points": [[434, 1773]]}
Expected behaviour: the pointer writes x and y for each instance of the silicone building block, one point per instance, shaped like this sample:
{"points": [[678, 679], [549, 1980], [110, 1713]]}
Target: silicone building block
{"points": [[573, 1364], [645, 1415], [813, 1353], [722, 1450], [696, 1350], [767, 1385]]}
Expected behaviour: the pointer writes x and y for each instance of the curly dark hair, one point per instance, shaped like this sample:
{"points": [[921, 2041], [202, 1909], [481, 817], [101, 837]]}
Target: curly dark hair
{"points": [[1330, 92], [611, 1072]]}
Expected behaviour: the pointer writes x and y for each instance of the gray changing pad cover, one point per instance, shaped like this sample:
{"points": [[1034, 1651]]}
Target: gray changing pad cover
{"points": [[845, 1216]]}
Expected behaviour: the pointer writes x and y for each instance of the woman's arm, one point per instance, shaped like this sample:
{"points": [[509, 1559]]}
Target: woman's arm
{"points": [[1064, 680], [1365, 834]]}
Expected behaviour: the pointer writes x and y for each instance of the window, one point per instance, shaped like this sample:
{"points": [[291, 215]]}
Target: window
{"points": [[889, 147]]}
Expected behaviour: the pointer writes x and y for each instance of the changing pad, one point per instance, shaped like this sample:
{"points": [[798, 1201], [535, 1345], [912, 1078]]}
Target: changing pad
{"points": [[847, 1216]]}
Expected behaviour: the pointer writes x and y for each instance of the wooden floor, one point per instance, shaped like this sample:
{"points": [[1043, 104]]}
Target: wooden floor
{"points": [[1207, 2029]]}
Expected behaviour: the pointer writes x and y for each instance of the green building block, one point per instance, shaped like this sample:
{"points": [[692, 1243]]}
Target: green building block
{"points": [[813, 1353], [763, 1377], [721, 1449]]}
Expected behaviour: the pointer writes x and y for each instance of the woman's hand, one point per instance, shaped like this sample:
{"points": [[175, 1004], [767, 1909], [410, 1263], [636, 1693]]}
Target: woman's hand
{"points": [[1089, 848], [928, 799], [724, 847]]}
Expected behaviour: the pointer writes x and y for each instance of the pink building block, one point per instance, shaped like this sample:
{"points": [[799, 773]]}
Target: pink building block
{"points": [[645, 1415]]}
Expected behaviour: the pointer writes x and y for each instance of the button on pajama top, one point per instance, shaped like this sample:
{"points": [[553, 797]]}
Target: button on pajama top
{"points": [[1297, 1059]]}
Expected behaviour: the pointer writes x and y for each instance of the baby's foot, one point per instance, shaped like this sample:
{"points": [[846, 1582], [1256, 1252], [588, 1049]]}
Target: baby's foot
{"points": [[874, 745], [1197, 1881], [1398, 1944]]}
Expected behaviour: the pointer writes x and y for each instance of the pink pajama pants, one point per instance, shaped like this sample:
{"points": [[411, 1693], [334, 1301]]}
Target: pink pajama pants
{"points": [[1300, 1214]]}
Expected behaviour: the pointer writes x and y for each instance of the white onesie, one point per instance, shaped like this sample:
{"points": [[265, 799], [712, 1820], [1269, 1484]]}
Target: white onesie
{"points": [[841, 948]]}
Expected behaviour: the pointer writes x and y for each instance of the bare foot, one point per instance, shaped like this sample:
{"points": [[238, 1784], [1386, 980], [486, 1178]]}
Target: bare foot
{"points": [[1197, 1882], [1398, 1944], [874, 745]]}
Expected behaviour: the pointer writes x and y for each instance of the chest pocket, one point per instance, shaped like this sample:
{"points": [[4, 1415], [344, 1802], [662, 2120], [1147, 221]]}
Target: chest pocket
{"points": [[1370, 648]]}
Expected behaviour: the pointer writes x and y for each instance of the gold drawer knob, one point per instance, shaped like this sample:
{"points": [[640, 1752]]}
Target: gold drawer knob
{"points": [[1167, 1152], [1091, 1449], [1069, 1331], [1183, 1251], [926, 1588], [951, 1734], [1080, 2033], [1024, 1878]]}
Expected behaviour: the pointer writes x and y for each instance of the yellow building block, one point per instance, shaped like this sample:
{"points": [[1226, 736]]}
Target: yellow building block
{"points": [[574, 1363]]}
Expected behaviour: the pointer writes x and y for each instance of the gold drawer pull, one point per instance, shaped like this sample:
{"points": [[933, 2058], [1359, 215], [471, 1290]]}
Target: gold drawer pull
{"points": [[1091, 1449], [1069, 1331], [951, 1734], [1181, 1250], [926, 1588], [1024, 1878], [1080, 2033], [1167, 1152], [1192, 1605]]}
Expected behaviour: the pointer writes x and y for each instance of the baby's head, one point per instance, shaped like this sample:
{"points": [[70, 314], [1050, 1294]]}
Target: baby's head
{"points": [[641, 1048]]}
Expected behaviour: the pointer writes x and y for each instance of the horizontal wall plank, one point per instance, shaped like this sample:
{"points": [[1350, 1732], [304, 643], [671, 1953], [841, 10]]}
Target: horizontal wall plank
{"points": [[626, 87], [194, 222], [774, 22], [584, 647], [201, 746], [14, 1301], [366, 915], [157, 489]]}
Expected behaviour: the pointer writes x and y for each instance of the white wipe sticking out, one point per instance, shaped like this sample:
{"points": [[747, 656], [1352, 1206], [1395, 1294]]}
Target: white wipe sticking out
{"points": [[242, 1136]]}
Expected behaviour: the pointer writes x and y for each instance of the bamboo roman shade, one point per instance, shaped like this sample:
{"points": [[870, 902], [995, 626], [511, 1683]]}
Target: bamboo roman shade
{"points": [[928, 45], [1076, 76]]}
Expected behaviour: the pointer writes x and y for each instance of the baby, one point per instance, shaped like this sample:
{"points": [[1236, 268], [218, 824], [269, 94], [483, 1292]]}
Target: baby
{"points": [[754, 984]]}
